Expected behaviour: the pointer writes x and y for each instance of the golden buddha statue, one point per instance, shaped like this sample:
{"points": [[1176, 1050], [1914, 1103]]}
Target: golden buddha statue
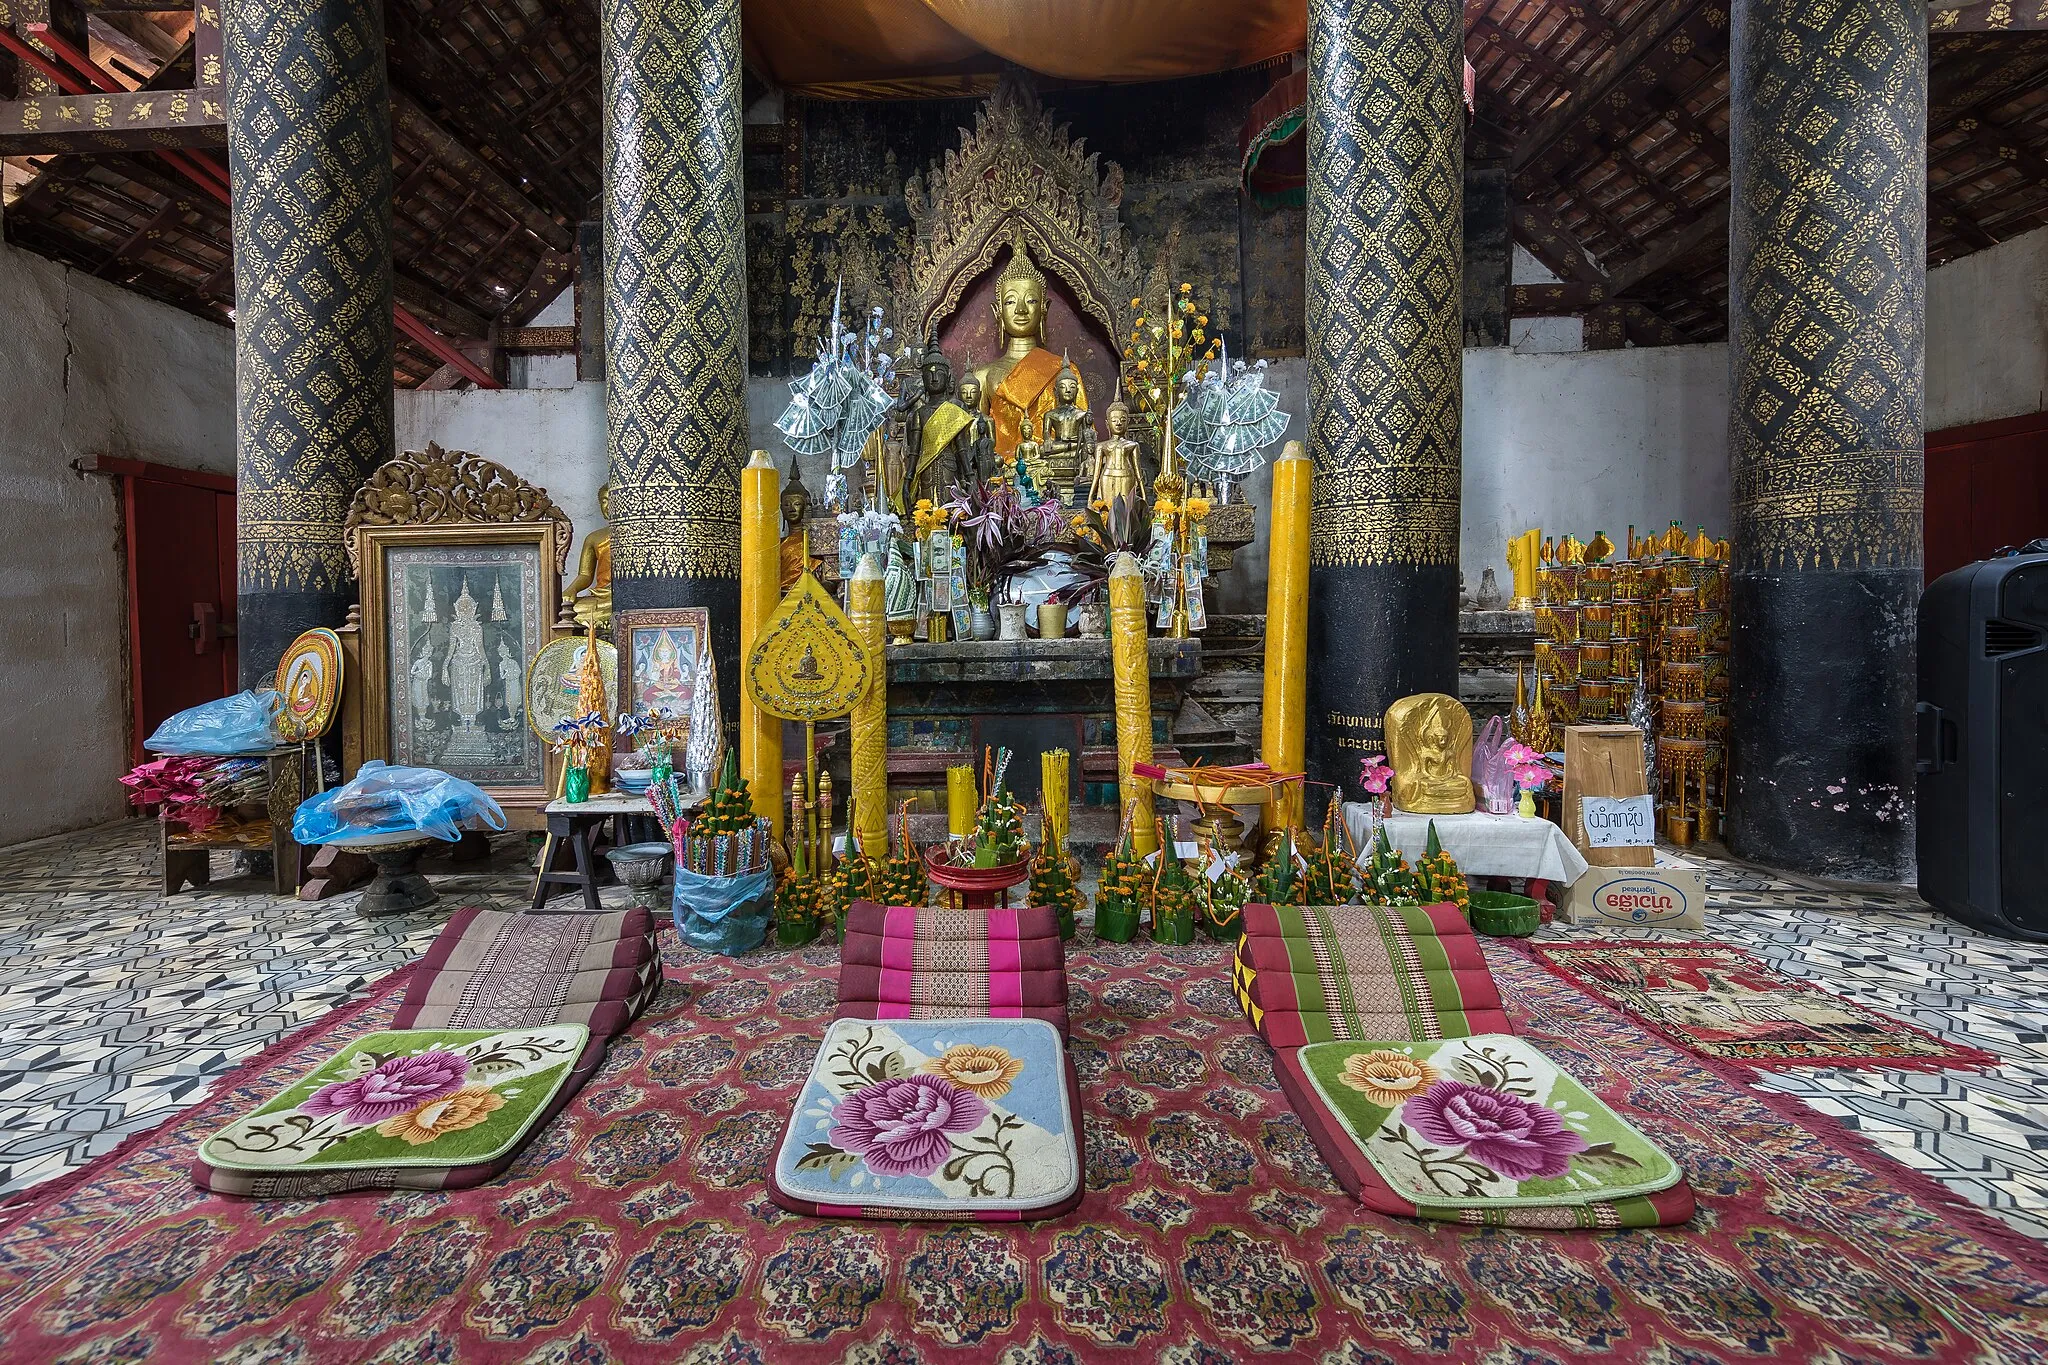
{"points": [[1069, 441], [1429, 743], [1019, 383], [594, 572], [795, 548], [1116, 473]]}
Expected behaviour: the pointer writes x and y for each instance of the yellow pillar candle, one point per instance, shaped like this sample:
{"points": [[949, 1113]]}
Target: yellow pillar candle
{"points": [[1284, 716], [1131, 662], [1523, 553], [960, 801], [1052, 785], [760, 590], [870, 800]]}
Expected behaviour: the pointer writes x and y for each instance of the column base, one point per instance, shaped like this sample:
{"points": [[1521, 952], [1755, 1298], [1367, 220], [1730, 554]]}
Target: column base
{"points": [[267, 622], [1377, 633], [1820, 722]]}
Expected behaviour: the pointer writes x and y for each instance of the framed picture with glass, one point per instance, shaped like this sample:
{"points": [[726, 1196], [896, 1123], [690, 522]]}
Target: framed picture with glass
{"points": [[659, 649], [452, 616]]}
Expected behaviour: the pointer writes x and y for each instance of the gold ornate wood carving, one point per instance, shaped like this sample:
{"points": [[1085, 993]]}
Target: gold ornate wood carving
{"points": [[436, 486], [1018, 179]]}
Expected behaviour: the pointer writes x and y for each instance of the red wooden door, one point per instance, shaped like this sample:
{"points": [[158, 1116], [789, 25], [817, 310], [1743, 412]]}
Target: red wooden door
{"points": [[1986, 487], [181, 591]]}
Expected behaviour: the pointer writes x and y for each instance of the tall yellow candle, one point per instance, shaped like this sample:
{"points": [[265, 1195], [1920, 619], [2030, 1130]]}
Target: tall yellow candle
{"points": [[1284, 716], [870, 761], [960, 800], [1131, 662], [760, 590], [1052, 783]]}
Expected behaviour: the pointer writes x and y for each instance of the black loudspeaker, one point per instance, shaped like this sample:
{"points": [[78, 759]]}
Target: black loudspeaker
{"points": [[1983, 745]]}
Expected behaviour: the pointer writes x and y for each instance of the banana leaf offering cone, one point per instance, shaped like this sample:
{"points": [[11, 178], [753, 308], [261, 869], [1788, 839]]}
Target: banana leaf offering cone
{"points": [[1228, 895], [1176, 899], [1124, 890], [1280, 881]]}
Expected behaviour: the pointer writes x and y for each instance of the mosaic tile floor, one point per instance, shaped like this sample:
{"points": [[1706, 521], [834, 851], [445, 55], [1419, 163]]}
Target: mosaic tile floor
{"points": [[118, 1005]]}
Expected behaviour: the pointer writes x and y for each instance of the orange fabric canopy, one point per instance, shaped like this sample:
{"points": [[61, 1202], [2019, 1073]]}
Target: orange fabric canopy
{"points": [[878, 49]]}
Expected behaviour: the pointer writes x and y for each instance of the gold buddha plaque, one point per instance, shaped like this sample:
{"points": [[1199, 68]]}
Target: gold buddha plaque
{"points": [[808, 664], [1429, 744]]}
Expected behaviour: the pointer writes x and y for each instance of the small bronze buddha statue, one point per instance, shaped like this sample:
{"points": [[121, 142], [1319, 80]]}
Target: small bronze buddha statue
{"points": [[1115, 472], [795, 548], [593, 580], [1030, 464], [939, 436], [981, 437], [1069, 444], [1429, 744]]}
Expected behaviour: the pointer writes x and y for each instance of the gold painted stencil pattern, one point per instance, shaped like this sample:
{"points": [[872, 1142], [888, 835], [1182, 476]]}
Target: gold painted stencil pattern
{"points": [[675, 286], [1828, 256], [1385, 280], [309, 134]]}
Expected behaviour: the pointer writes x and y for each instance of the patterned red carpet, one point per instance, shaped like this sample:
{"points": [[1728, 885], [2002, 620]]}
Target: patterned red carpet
{"points": [[637, 1227], [1720, 1002]]}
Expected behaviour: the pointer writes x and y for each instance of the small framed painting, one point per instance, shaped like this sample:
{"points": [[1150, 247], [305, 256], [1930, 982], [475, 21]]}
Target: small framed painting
{"points": [[659, 649]]}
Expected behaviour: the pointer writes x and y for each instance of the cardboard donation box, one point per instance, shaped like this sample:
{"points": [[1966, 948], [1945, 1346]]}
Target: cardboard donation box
{"points": [[1639, 898], [1604, 780]]}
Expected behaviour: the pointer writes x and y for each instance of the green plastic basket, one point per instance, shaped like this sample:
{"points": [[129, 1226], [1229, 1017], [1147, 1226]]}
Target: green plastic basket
{"points": [[1503, 914]]}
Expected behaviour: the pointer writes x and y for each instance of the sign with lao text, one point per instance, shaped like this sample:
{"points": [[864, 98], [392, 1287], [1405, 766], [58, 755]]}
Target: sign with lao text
{"points": [[1619, 821]]}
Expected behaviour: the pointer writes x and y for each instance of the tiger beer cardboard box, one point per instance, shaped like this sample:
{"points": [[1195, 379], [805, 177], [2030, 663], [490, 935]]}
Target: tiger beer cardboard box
{"points": [[1639, 898], [1604, 760]]}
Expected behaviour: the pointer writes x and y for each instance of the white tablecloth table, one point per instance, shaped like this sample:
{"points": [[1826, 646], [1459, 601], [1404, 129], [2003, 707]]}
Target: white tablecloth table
{"points": [[1484, 845]]}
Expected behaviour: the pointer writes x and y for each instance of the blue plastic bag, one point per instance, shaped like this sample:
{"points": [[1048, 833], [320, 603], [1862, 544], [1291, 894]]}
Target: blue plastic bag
{"points": [[245, 723], [724, 915], [386, 800]]}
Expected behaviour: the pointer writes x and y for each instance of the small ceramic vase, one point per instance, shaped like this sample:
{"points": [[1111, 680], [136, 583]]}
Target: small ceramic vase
{"points": [[1527, 808], [983, 623], [576, 785], [1012, 614]]}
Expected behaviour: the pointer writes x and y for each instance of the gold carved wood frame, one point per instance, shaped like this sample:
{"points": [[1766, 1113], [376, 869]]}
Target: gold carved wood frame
{"points": [[370, 733], [1018, 180]]}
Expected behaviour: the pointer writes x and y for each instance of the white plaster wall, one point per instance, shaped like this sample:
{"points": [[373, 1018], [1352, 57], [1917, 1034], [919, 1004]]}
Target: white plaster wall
{"points": [[1987, 334], [91, 369], [1591, 441], [551, 437]]}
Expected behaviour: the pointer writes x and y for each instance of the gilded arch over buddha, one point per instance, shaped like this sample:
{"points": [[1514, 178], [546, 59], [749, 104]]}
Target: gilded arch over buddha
{"points": [[1021, 194]]}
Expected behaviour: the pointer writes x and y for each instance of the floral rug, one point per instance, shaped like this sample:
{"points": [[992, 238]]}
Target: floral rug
{"points": [[1722, 1003], [637, 1226]]}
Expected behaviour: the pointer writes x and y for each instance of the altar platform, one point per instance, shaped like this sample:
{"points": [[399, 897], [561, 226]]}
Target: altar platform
{"points": [[948, 702]]}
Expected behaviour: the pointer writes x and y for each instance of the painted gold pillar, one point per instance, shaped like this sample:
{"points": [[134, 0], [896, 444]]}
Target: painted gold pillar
{"points": [[309, 147], [1285, 706], [1131, 663], [760, 583], [675, 307], [870, 761], [1385, 323], [1826, 304]]}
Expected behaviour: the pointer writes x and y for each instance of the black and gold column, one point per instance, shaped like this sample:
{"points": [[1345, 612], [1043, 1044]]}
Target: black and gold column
{"points": [[1385, 364], [309, 147], [675, 309], [1827, 281]]}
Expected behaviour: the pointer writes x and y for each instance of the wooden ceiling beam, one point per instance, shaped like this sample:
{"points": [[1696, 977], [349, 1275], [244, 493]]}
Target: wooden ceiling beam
{"points": [[1674, 250], [1580, 116], [479, 112], [464, 165], [1949, 212], [551, 275], [1550, 242], [427, 300]]}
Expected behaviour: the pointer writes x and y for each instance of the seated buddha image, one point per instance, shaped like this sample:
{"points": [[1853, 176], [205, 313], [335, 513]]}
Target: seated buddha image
{"points": [[1022, 381], [1429, 744]]}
